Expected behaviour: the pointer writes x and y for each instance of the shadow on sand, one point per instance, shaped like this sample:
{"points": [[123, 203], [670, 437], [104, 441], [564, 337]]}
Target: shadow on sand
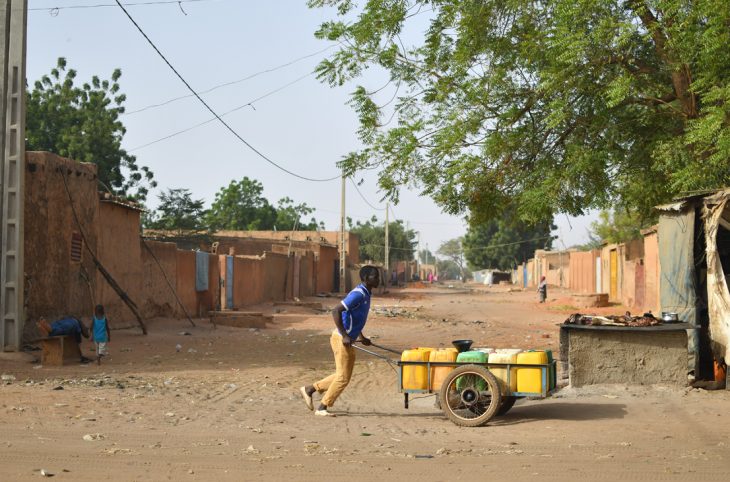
{"points": [[552, 410]]}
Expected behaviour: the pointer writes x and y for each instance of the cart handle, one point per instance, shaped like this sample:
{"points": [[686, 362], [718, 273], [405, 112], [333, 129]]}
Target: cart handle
{"points": [[372, 353]]}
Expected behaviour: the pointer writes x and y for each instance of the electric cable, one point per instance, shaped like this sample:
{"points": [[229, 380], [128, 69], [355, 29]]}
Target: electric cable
{"points": [[129, 4], [213, 119], [470, 249], [210, 109], [233, 82], [363, 197]]}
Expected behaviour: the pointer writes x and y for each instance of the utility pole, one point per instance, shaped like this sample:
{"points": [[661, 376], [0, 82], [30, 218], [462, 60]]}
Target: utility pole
{"points": [[418, 256], [343, 258], [13, 28], [387, 250]]}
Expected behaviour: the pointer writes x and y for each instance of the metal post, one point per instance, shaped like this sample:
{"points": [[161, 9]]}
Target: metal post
{"points": [[387, 253], [343, 258], [12, 274]]}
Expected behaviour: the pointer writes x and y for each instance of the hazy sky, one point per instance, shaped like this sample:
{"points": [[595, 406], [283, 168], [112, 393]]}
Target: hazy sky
{"points": [[306, 127]]}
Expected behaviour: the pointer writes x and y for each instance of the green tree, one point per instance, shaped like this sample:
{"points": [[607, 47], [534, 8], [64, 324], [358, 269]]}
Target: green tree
{"points": [[178, 211], [453, 250], [447, 269], [289, 216], [241, 206], [402, 241], [425, 256], [618, 226], [558, 106], [503, 243], [82, 123]]}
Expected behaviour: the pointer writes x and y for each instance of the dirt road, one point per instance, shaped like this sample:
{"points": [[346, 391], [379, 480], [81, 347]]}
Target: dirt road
{"points": [[225, 407]]}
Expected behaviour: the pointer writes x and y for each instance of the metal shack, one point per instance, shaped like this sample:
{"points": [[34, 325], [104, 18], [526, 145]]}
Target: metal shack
{"points": [[694, 253]]}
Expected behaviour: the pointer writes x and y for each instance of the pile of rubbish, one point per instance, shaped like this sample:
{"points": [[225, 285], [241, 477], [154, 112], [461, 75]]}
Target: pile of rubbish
{"points": [[647, 319], [395, 311]]}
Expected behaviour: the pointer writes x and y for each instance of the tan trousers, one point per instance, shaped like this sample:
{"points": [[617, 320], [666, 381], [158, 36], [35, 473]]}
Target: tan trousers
{"points": [[344, 363]]}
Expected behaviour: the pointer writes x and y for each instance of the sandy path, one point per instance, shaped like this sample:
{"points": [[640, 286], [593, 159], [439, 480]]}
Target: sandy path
{"points": [[226, 408]]}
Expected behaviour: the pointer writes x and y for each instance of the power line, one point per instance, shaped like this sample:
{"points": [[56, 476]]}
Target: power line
{"points": [[468, 249], [363, 197], [129, 4], [213, 119], [226, 84], [210, 109]]}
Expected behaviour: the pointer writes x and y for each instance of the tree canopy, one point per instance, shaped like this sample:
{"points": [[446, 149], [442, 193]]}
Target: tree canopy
{"points": [[557, 106], [453, 251], [401, 241], [289, 216], [618, 226], [178, 211], [241, 206], [504, 242], [82, 123]]}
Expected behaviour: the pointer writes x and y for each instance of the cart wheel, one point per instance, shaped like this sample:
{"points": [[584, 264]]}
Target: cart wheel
{"points": [[507, 403], [470, 396]]}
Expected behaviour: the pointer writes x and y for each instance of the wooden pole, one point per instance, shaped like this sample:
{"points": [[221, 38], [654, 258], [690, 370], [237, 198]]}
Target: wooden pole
{"points": [[107, 276], [169, 284]]}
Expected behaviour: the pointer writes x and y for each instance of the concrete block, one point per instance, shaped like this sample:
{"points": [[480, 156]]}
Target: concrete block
{"points": [[592, 300], [59, 350], [623, 357], [240, 319]]}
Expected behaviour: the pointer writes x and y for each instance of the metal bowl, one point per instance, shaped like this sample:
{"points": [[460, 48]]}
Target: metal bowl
{"points": [[670, 317], [462, 345]]}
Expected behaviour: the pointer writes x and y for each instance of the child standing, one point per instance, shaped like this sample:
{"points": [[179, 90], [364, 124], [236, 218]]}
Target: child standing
{"points": [[100, 333]]}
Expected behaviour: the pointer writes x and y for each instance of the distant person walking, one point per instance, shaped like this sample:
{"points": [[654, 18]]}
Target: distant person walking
{"points": [[350, 317], [100, 334], [542, 289]]}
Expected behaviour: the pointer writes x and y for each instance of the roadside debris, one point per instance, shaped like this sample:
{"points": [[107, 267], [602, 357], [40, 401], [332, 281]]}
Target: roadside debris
{"points": [[647, 319], [396, 311]]}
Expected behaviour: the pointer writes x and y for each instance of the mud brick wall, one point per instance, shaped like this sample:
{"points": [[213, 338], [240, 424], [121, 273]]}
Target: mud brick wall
{"points": [[55, 283], [627, 357], [158, 300], [119, 250]]}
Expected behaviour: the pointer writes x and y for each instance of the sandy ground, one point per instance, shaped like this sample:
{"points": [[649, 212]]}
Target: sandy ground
{"points": [[226, 407]]}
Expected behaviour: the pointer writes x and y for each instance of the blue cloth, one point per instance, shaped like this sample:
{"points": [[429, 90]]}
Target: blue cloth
{"points": [[100, 335], [229, 282], [201, 271], [66, 326], [357, 306]]}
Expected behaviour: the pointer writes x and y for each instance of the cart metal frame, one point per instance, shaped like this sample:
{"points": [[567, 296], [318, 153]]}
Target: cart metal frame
{"points": [[544, 368]]}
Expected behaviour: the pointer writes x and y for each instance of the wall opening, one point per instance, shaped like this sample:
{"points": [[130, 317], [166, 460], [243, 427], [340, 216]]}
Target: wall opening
{"points": [[77, 246]]}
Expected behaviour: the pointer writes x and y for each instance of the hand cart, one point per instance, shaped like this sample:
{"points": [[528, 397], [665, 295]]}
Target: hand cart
{"points": [[471, 395]]}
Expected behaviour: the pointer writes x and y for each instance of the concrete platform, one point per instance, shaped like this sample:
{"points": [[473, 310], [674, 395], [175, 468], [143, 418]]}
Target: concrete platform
{"points": [[240, 319], [625, 355], [590, 300]]}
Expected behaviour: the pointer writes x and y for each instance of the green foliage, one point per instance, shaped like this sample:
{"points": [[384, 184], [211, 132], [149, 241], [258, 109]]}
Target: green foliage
{"points": [[618, 226], [453, 250], [178, 211], [401, 241], [242, 206], [504, 242], [425, 256], [559, 106], [289, 216], [82, 123], [447, 269]]}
